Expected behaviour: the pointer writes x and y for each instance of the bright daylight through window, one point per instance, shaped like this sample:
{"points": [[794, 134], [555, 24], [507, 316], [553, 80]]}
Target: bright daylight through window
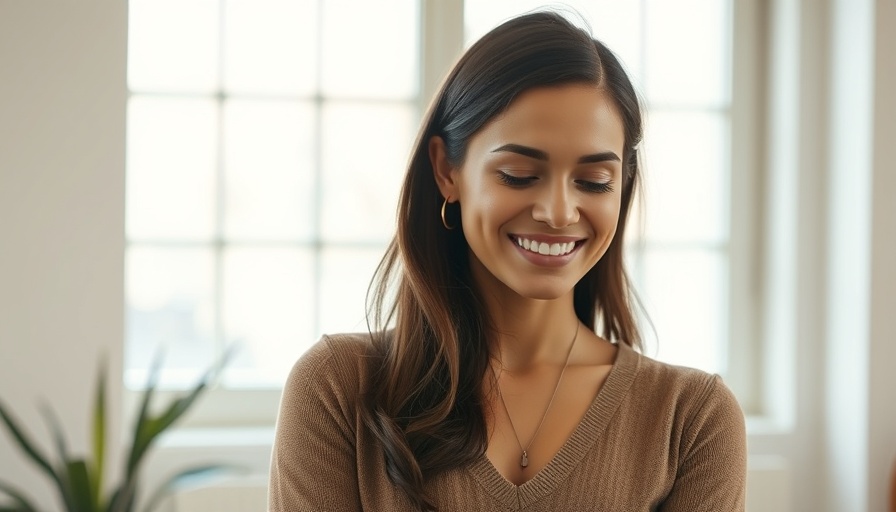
{"points": [[267, 138]]}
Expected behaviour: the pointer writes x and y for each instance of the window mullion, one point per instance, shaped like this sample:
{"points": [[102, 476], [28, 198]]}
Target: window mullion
{"points": [[745, 154], [441, 42]]}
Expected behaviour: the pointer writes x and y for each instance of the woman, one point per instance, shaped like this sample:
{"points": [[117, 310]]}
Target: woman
{"points": [[491, 388]]}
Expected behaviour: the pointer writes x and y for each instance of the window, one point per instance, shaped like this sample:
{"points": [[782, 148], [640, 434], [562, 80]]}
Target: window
{"points": [[265, 151], [266, 144]]}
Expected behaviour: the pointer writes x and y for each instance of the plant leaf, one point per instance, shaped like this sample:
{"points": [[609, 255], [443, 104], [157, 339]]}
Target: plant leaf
{"points": [[65, 490], [152, 427], [56, 429], [123, 498], [20, 503], [82, 498], [115, 501], [29, 447], [151, 383], [158, 424], [199, 473], [149, 428], [99, 436]]}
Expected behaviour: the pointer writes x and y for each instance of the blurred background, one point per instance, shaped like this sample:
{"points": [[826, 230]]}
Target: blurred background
{"points": [[189, 175]]}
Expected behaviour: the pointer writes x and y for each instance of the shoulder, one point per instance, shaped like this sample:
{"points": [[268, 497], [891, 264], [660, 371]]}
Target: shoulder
{"points": [[696, 407], [683, 385], [698, 422], [335, 349], [338, 363], [694, 404], [689, 425]]}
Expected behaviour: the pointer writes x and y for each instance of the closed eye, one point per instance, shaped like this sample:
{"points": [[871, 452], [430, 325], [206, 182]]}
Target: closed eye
{"points": [[515, 181], [596, 187]]}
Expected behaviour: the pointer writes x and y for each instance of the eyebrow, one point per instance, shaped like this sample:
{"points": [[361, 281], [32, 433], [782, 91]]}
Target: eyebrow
{"points": [[538, 154]]}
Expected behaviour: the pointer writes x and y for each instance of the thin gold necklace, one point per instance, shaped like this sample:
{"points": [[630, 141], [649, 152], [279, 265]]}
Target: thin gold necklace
{"points": [[524, 458]]}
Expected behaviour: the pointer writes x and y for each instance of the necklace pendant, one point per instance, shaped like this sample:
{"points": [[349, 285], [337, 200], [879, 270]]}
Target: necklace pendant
{"points": [[524, 460]]}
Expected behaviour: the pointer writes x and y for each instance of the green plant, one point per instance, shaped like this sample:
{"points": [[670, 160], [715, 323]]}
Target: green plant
{"points": [[79, 481]]}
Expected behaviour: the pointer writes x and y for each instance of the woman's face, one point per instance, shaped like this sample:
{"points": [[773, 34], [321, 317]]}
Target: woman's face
{"points": [[540, 190]]}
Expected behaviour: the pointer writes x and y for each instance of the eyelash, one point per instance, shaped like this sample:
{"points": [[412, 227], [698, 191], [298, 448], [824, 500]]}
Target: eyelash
{"points": [[515, 181], [587, 186], [600, 188]]}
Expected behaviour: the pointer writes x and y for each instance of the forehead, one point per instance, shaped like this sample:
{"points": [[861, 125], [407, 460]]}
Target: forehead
{"points": [[576, 117]]}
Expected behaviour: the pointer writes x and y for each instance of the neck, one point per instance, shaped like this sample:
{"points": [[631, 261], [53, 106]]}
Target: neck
{"points": [[531, 332]]}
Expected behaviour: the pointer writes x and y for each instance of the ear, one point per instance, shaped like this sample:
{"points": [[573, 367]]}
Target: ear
{"points": [[444, 173]]}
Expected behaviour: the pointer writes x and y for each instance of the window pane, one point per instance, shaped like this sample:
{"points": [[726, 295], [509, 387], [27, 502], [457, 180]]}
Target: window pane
{"points": [[687, 52], [686, 177], [345, 276], [268, 162], [268, 311], [369, 49], [686, 295], [480, 16], [271, 46], [365, 151], [617, 24], [173, 45], [170, 306], [171, 167]]}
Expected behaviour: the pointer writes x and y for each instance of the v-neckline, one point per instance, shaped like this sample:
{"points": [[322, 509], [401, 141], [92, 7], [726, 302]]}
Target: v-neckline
{"points": [[586, 433]]}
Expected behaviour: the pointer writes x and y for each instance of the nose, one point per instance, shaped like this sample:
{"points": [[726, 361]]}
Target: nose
{"points": [[556, 206]]}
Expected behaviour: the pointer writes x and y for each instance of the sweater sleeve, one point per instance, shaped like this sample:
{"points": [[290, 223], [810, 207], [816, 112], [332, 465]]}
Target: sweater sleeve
{"points": [[313, 461], [712, 472]]}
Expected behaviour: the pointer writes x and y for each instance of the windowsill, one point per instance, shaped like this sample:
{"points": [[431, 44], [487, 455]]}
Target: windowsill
{"points": [[209, 437], [245, 449], [225, 437], [765, 426]]}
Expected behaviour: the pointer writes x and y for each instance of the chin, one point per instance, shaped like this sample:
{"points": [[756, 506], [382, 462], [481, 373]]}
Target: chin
{"points": [[544, 295], [543, 291]]}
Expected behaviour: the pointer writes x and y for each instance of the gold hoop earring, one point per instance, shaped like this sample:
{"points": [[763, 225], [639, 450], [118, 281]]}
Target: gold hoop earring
{"points": [[444, 222]]}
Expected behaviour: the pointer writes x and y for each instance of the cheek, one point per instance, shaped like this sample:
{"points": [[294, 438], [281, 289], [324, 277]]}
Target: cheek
{"points": [[484, 216], [611, 208], [485, 204], [605, 214]]}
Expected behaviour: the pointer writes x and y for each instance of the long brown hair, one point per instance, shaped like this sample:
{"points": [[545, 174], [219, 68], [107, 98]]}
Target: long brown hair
{"points": [[429, 327]]}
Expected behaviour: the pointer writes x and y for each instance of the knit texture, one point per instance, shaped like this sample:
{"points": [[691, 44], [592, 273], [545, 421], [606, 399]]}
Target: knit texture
{"points": [[656, 438]]}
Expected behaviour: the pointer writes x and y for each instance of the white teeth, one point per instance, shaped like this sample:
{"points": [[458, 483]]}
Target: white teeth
{"points": [[544, 248]]}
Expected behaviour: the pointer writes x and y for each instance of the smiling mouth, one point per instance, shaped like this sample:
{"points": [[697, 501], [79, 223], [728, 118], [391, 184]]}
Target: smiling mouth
{"points": [[545, 249]]}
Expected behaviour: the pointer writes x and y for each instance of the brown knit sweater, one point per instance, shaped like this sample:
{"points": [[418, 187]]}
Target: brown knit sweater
{"points": [[657, 437]]}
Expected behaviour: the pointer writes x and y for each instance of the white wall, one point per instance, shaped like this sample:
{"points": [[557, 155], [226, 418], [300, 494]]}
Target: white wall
{"points": [[62, 134], [62, 122]]}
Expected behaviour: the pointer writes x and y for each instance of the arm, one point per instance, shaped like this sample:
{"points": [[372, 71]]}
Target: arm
{"points": [[712, 472], [313, 465]]}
